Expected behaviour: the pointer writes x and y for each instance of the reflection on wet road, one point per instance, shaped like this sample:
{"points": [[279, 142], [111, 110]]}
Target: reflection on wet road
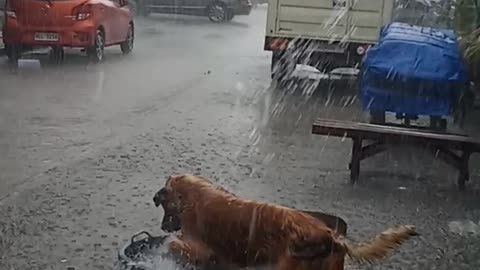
{"points": [[56, 113], [85, 147]]}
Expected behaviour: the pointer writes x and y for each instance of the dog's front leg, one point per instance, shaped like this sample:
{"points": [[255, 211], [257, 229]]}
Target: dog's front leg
{"points": [[192, 252]]}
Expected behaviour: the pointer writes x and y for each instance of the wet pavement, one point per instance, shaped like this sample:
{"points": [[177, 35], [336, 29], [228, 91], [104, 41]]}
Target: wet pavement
{"points": [[85, 147]]}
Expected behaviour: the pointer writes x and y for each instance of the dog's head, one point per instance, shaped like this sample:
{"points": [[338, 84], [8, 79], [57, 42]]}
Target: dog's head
{"points": [[170, 200]]}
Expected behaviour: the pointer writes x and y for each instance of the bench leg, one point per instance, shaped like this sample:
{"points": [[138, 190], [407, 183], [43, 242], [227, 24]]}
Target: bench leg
{"points": [[356, 158], [464, 170]]}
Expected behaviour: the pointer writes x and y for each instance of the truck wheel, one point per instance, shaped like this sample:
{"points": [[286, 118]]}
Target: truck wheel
{"points": [[217, 12], [324, 62], [282, 66]]}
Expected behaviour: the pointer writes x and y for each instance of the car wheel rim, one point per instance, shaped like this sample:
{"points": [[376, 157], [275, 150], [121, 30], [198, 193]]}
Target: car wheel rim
{"points": [[99, 49], [217, 13]]}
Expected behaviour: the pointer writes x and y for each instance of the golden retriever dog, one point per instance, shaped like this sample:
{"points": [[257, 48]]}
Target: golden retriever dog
{"points": [[218, 227]]}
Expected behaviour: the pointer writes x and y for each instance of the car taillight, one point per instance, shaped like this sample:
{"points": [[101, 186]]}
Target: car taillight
{"points": [[82, 12], [279, 44], [362, 49]]}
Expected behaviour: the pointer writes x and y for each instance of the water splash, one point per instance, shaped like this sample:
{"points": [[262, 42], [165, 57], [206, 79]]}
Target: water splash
{"points": [[465, 228]]}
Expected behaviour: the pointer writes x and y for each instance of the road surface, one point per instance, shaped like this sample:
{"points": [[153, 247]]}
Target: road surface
{"points": [[85, 147]]}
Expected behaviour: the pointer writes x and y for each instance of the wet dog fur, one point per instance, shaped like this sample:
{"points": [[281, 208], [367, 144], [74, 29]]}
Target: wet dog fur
{"points": [[217, 227]]}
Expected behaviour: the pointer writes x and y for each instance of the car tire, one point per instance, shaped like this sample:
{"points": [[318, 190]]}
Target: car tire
{"points": [[127, 45], [57, 55], [230, 15], [217, 12], [97, 52], [13, 54]]}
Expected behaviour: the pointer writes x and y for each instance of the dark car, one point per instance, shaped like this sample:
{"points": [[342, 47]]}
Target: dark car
{"points": [[215, 10]]}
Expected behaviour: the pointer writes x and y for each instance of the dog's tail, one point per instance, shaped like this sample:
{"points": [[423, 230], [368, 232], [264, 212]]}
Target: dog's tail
{"points": [[381, 246]]}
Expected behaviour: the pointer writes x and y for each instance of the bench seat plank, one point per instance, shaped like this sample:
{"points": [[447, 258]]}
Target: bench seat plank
{"points": [[351, 129], [443, 145]]}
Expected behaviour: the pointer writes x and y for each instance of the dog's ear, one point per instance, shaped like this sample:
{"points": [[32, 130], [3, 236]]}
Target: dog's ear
{"points": [[172, 180], [160, 197], [176, 177]]}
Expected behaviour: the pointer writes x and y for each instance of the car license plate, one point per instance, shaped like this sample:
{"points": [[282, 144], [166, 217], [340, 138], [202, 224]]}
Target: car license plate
{"points": [[46, 36]]}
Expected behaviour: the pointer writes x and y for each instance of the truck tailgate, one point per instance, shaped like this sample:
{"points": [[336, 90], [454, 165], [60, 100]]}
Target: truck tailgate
{"points": [[351, 20]]}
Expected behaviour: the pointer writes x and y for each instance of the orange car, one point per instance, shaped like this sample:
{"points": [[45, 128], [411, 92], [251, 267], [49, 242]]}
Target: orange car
{"points": [[88, 24]]}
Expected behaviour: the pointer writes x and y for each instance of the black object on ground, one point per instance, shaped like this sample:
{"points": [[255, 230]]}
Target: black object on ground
{"points": [[131, 253]]}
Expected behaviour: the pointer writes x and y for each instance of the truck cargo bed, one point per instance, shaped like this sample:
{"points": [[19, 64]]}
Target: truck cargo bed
{"points": [[345, 20]]}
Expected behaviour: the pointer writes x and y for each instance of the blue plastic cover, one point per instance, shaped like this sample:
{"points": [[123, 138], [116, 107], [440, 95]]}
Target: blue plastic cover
{"points": [[413, 70]]}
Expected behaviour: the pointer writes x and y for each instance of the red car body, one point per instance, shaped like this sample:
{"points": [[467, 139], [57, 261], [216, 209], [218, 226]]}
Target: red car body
{"points": [[88, 24]]}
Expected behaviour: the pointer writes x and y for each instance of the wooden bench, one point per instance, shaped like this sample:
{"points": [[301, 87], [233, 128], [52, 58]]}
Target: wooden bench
{"points": [[454, 149]]}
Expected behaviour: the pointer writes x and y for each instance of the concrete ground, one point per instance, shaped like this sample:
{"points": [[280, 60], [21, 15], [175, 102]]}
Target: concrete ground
{"points": [[85, 147]]}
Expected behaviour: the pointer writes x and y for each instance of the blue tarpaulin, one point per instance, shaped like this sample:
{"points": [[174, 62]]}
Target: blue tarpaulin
{"points": [[413, 70]]}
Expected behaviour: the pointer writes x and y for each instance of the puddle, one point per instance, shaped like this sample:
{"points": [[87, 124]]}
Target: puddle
{"points": [[465, 228], [29, 64]]}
